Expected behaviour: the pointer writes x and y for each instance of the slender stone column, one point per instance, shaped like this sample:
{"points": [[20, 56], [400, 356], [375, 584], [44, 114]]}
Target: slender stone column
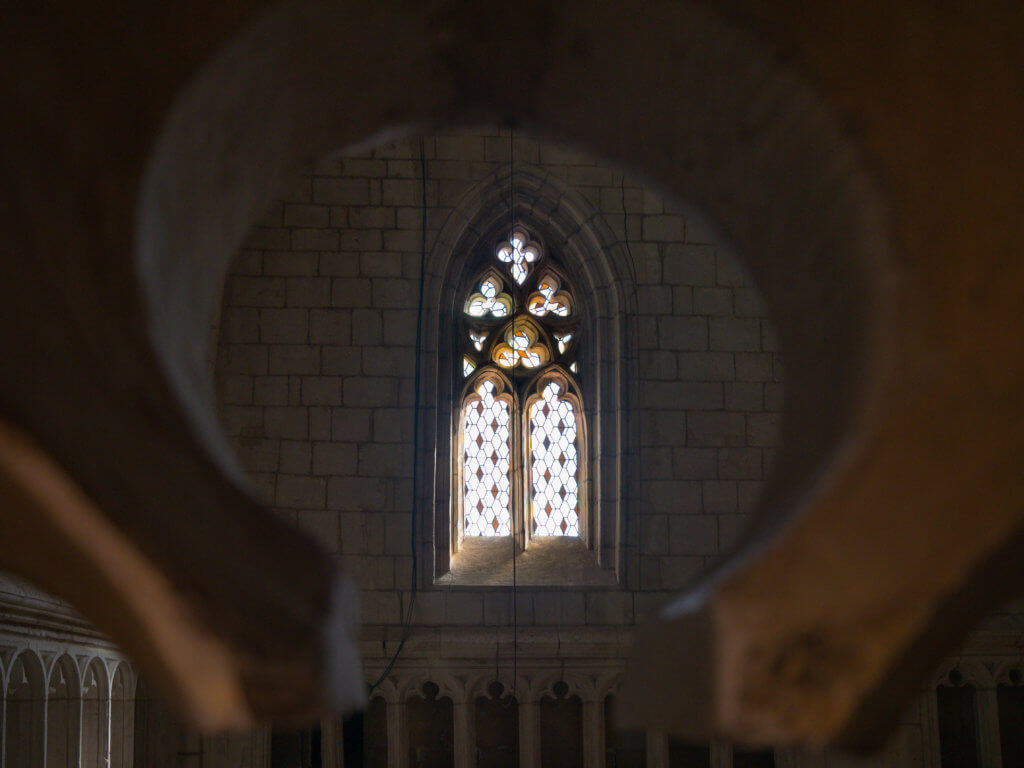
{"points": [[989, 747], [930, 729], [529, 734], [332, 750], [79, 718], [464, 735], [260, 747], [657, 750], [190, 751], [800, 758], [398, 751], [593, 734], [721, 755]]}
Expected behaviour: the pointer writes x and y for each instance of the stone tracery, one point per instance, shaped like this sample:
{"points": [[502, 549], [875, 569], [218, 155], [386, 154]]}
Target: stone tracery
{"points": [[526, 327]]}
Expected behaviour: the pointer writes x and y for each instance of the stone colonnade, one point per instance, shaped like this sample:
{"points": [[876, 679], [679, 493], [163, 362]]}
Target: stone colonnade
{"points": [[918, 740], [65, 705], [69, 700], [532, 690]]}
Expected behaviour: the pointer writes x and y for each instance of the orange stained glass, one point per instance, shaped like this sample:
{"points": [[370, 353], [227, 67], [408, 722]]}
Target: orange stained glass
{"points": [[520, 347], [549, 299]]}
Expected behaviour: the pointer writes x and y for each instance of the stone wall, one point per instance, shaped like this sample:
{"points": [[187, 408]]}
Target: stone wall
{"points": [[315, 373], [316, 361]]}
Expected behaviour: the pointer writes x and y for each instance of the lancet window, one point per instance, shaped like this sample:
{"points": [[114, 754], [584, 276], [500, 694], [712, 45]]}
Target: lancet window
{"points": [[521, 446]]}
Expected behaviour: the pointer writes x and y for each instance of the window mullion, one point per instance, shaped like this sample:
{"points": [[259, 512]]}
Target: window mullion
{"points": [[522, 491]]}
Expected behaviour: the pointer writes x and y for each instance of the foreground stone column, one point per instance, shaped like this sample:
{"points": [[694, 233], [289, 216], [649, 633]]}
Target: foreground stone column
{"points": [[464, 734], [398, 750], [593, 734], [529, 734], [657, 750], [989, 747]]}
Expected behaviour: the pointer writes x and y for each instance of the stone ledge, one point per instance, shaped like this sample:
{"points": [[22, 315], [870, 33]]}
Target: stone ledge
{"points": [[554, 562], [446, 644]]}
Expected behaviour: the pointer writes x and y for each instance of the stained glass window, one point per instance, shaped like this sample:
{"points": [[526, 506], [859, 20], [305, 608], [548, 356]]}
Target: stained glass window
{"points": [[521, 423], [486, 439]]}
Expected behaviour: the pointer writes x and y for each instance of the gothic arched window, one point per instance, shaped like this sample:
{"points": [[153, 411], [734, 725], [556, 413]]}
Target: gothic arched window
{"points": [[521, 443]]}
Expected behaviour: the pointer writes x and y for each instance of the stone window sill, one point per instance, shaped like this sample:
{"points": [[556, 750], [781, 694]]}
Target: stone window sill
{"points": [[548, 562]]}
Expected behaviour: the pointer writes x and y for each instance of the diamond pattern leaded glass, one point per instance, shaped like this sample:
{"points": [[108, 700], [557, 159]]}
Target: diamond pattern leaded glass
{"points": [[554, 458], [486, 440]]}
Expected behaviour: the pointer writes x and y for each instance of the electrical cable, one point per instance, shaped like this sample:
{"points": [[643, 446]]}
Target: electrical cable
{"points": [[417, 366], [515, 611], [625, 237]]}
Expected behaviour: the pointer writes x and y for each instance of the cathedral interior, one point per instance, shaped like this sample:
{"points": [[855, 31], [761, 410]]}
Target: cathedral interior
{"points": [[514, 384]]}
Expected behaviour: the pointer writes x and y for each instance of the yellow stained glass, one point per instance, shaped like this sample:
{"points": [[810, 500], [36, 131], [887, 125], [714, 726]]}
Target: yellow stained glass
{"points": [[549, 299], [520, 347], [489, 299]]}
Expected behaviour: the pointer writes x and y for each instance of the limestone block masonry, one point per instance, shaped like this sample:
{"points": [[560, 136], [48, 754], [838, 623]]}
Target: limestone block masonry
{"points": [[315, 362], [315, 370]]}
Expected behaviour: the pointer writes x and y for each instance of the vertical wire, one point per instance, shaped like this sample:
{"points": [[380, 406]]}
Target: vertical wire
{"points": [[519, 422]]}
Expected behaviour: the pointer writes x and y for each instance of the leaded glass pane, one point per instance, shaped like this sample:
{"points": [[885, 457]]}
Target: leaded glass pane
{"points": [[549, 299], [505, 357], [489, 299], [519, 255], [486, 440], [521, 346], [468, 366], [555, 465]]}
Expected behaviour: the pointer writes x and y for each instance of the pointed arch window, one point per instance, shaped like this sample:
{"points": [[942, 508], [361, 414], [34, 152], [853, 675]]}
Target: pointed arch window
{"points": [[522, 426]]}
